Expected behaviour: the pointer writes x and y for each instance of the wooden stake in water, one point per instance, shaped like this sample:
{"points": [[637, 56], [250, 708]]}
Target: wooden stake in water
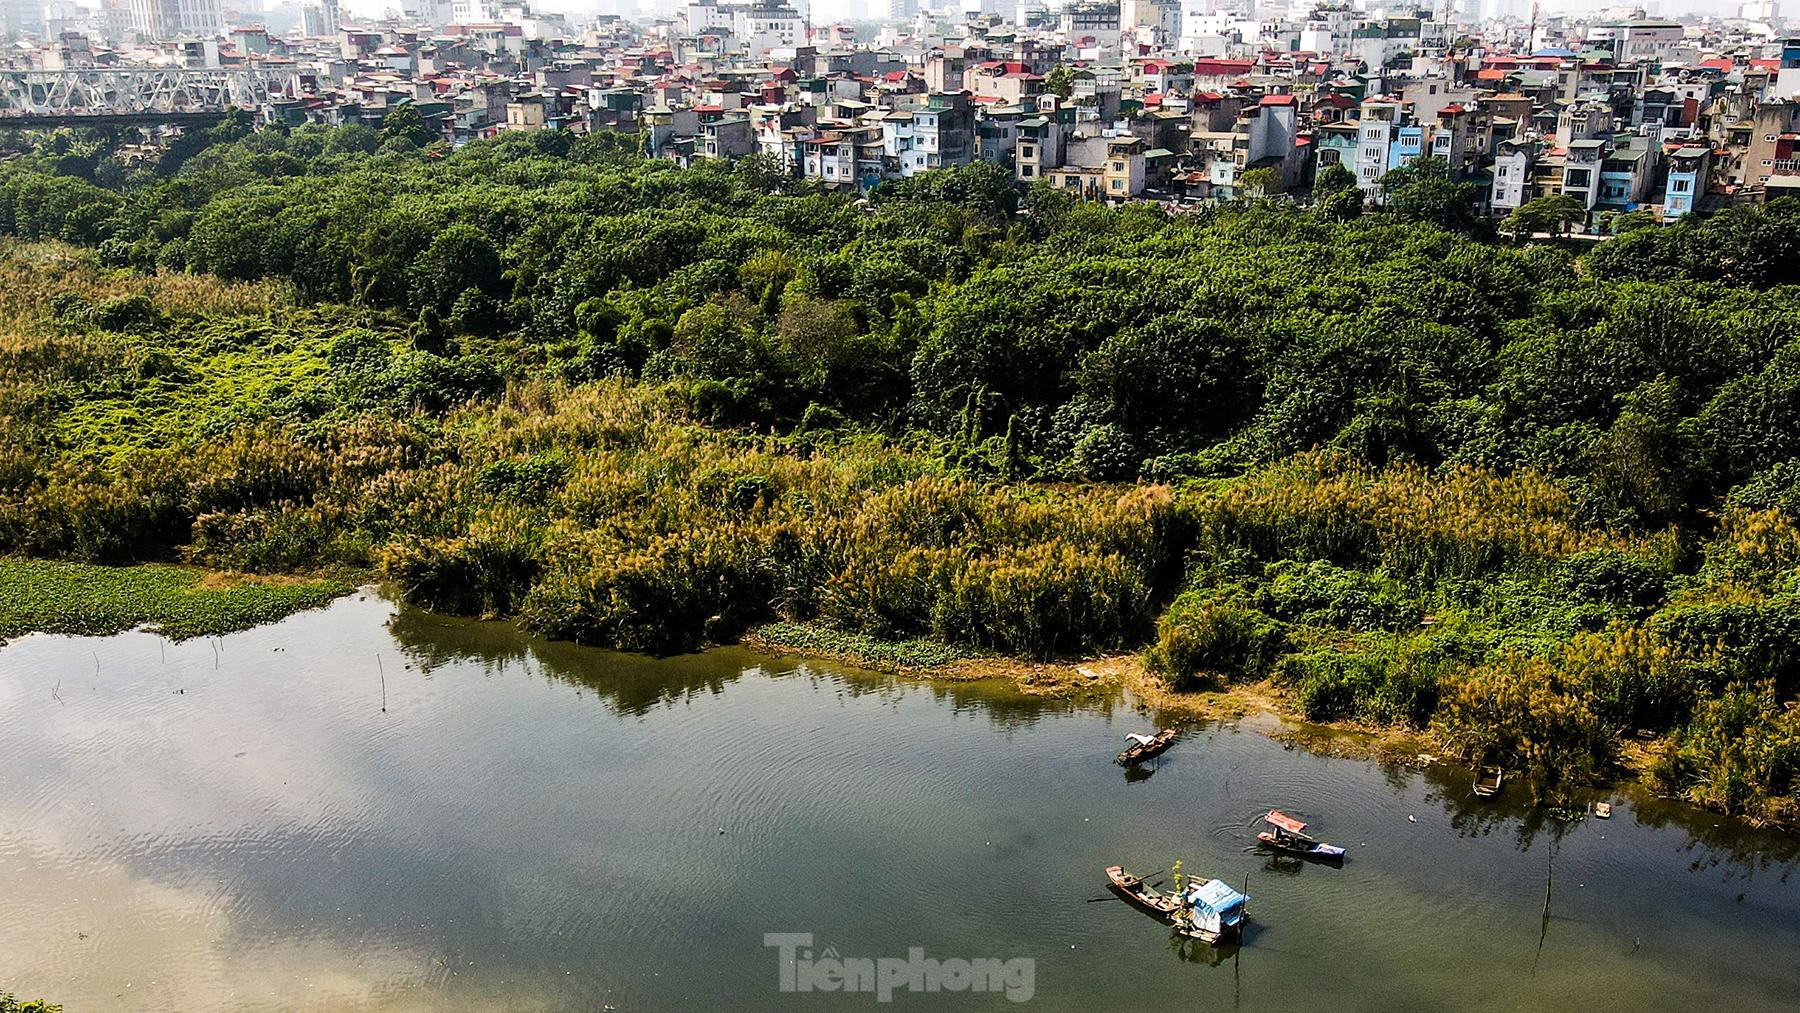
{"points": [[383, 674]]}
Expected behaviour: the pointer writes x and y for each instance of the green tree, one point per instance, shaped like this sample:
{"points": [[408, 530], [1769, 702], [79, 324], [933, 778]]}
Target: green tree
{"points": [[1552, 213], [1060, 81], [1258, 183], [1335, 194], [405, 122], [458, 259], [1422, 191]]}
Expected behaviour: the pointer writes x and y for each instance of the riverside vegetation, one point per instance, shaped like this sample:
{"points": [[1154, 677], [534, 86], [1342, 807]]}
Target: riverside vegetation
{"points": [[1538, 507]]}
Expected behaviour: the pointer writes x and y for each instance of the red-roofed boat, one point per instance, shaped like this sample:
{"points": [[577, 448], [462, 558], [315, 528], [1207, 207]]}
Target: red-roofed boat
{"points": [[1288, 834]]}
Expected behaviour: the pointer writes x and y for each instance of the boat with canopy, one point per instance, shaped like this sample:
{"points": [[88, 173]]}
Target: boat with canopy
{"points": [[1140, 747], [1288, 834], [1209, 910]]}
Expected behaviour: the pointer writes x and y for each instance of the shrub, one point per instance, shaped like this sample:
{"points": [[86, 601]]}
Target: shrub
{"points": [[1609, 575], [678, 593], [1739, 754], [1520, 711], [483, 572], [1320, 594], [1215, 635]]}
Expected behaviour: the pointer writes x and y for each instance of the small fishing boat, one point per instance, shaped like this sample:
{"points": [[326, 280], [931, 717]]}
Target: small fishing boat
{"points": [[1488, 781], [1209, 911], [1288, 834], [1139, 747], [1141, 895], [1215, 913]]}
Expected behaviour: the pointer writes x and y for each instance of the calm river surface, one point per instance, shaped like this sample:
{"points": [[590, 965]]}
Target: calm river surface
{"points": [[237, 824]]}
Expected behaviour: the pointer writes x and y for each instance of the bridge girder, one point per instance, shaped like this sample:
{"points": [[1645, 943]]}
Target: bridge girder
{"points": [[139, 92]]}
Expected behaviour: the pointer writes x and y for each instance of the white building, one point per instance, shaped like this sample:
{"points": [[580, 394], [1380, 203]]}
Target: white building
{"points": [[1638, 40], [702, 17], [1375, 136], [166, 19], [1097, 22], [319, 19], [1512, 176], [760, 29], [431, 13], [23, 17]]}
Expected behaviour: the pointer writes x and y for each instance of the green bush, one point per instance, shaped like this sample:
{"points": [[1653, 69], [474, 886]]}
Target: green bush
{"points": [[1215, 635], [1740, 754]]}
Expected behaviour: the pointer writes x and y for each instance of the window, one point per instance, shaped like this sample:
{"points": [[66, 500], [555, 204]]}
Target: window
{"points": [[1768, 161], [1118, 166], [1025, 150], [1118, 184], [1026, 171], [1678, 185], [1768, 137]]}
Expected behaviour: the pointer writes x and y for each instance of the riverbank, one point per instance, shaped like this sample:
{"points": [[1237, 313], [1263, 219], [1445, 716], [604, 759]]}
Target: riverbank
{"points": [[1127, 673], [185, 602], [1078, 678], [40, 596]]}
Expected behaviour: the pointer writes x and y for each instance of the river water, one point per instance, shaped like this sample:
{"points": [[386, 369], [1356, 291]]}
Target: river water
{"points": [[237, 823]]}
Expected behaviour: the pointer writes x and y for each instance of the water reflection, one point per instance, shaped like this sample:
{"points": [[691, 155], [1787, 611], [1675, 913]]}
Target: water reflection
{"points": [[628, 684], [635, 684], [1138, 773], [1189, 950], [493, 840], [1716, 842]]}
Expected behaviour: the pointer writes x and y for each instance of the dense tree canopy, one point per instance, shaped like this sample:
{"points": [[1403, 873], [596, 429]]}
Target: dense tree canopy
{"points": [[1108, 343]]}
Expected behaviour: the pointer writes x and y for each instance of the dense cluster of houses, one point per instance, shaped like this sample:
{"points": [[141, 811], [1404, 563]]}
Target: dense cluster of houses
{"points": [[1139, 99]]}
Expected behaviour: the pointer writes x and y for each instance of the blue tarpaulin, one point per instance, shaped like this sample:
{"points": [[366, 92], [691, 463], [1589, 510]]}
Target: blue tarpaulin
{"points": [[1215, 903]]}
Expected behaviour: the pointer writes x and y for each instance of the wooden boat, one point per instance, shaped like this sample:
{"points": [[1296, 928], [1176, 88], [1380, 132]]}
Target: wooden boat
{"points": [[1209, 911], [1288, 834], [1141, 895], [1488, 781], [1139, 748]]}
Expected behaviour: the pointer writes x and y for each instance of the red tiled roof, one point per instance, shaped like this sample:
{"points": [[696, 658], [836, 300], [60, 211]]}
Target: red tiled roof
{"points": [[1220, 68]]}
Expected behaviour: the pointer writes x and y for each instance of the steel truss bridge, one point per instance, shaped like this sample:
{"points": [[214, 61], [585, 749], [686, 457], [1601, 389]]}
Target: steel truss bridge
{"points": [[141, 95]]}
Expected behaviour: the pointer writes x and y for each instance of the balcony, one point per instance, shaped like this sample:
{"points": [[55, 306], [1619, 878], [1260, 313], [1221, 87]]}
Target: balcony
{"points": [[1787, 167]]}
